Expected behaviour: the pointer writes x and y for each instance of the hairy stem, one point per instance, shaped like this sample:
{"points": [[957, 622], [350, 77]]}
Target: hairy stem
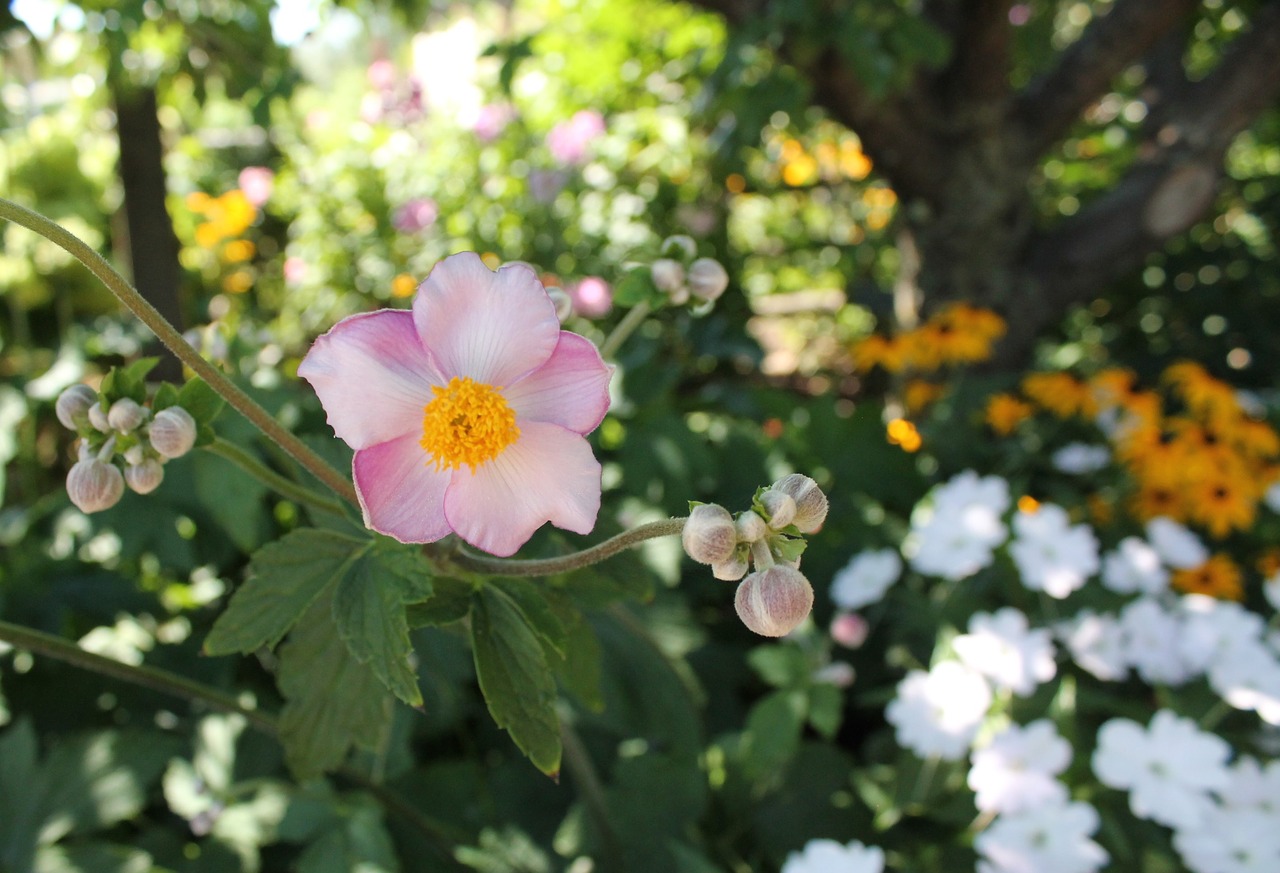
{"points": [[173, 340], [468, 560], [282, 485]]}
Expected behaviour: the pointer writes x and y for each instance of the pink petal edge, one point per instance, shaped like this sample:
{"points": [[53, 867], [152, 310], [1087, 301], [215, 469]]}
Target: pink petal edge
{"points": [[548, 475], [571, 389], [400, 495]]}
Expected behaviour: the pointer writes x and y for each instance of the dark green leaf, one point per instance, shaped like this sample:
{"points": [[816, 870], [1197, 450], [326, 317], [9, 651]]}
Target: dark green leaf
{"points": [[285, 577], [332, 701], [826, 709], [450, 602], [166, 395], [359, 842], [20, 780], [369, 609], [580, 670], [535, 602], [197, 398], [514, 678], [99, 857], [780, 664], [773, 734]]}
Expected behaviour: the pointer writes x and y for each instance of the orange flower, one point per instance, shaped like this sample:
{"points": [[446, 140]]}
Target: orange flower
{"points": [[879, 351], [1005, 412], [1060, 393], [1221, 504], [1217, 577], [1155, 498], [917, 394]]}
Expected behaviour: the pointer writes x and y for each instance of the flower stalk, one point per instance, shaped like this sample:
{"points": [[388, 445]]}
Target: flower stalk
{"points": [[466, 559], [173, 340], [282, 485]]}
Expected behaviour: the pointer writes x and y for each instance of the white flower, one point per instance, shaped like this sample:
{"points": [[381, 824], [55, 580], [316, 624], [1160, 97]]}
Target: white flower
{"points": [[1168, 769], [1253, 785], [1271, 590], [866, 578], [1000, 647], [1151, 646], [1178, 547], [1231, 841], [828, 856], [1016, 771], [1047, 839], [1097, 644], [1081, 458], [953, 535], [1212, 628], [1248, 678], [939, 712], [1134, 567], [968, 490], [1053, 555]]}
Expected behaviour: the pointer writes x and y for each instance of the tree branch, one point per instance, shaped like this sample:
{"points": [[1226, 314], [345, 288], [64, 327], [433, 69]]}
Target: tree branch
{"points": [[1049, 105], [979, 69]]}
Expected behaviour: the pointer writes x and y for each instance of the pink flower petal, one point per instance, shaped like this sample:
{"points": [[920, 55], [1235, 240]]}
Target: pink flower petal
{"points": [[548, 474], [571, 389], [373, 377], [491, 327], [400, 495]]}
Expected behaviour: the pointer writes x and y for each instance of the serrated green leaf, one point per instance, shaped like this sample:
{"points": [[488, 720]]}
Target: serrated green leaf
{"points": [[332, 701], [450, 602], [517, 684], [369, 609], [197, 398], [788, 548], [545, 620], [285, 578]]}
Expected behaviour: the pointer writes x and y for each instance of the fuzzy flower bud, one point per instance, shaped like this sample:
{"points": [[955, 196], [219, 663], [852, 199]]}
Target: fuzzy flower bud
{"points": [[780, 506], [173, 432], [850, 630], [145, 477], [707, 278], [811, 503], [563, 302], [98, 418], [668, 275], [125, 415], [731, 570], [751, 527], [73, 405], [709, 535], [94, 485], [680, 244], [134, 455], [775, 601]]}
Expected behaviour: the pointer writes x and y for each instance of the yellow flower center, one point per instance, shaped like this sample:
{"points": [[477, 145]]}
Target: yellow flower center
{"points": [[467, 423]]}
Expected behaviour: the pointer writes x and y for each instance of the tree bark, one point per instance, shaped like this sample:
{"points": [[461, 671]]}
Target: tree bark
{"points": [[152, 245]]}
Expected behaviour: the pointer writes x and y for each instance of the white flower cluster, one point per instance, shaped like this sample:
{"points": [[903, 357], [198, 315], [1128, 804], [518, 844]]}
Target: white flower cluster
{"points": [[828, 856], [143, 441]]}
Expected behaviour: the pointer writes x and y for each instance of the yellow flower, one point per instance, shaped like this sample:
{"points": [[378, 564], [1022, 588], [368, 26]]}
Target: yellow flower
{"points": [[1155, 498], [1217, 577], [1060, 393], [879, 351], [1005, 412], [1207, 397], [917, 394], [1220, 504]]}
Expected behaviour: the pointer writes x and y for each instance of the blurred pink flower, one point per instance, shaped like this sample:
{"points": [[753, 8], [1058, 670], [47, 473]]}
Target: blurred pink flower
{"points": [[295, 270], [256, 183], [568, 140], [414, 215], [468, 412], [491, 120], [592, 297], [381, 74]]}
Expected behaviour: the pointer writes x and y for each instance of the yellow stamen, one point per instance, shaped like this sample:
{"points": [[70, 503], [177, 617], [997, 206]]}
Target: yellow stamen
{"points": [[467, 423]]}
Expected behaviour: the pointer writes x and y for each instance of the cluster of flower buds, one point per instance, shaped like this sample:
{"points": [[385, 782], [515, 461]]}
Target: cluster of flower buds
{"points": [[683, 277], [127, 430], [775, 598]]}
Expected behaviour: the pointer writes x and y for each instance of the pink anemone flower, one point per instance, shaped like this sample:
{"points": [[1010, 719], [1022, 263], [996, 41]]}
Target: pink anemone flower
{"points": [[467, 413]]}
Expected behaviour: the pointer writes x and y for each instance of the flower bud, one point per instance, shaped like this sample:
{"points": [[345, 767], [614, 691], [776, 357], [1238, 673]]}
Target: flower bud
{"points": [[135, 455], [680, 244], [731, 570], [94, 485], [98, 418], [125, 415], [668, 275], [849, 629], [837, 673], [173, 432], [780, 506], [145, 477], [707, 278], [811, 503], [751, 527], [562, 301], [73, 405], [709, 535], [775, 601]]}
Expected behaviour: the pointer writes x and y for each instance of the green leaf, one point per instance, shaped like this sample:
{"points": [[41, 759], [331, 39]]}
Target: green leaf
{"points": [[197, 398], [826, 709], [20, 781], [635, 287], [128, 381], [166, 395], [773, 734], [285, 577], [99, 857], [369, 609], [580, 672], [780, 664], [359, 842], [518, 687], [545, 620], [332, 701], [450, 602]]}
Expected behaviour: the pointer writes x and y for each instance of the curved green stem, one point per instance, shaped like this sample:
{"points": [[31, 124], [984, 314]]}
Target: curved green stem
{"points": [[173, 340], [282, 485], [624, 329], [468, 560], [171, 683]]}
